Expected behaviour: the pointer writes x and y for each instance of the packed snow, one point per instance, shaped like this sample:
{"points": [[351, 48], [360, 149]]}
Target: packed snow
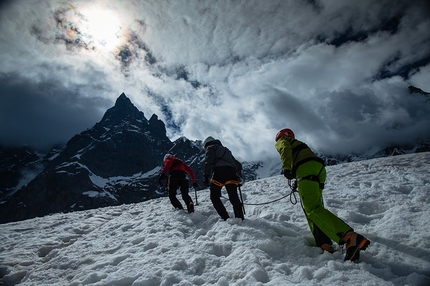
{"points": [[150, 243]]}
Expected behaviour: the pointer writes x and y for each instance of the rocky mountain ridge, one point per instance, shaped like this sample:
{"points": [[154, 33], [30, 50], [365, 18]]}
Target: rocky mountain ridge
{"points": [[117, 161]]}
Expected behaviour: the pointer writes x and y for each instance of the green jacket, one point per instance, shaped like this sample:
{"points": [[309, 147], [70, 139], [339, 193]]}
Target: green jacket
{"points": [[294, 153]]}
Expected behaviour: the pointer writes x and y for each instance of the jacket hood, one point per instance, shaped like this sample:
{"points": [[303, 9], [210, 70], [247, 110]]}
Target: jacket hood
{"points": [[215, 142], [169, 157]]}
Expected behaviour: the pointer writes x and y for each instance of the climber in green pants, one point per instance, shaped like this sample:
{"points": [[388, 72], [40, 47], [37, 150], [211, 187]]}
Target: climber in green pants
{"points": [[300, 163]]}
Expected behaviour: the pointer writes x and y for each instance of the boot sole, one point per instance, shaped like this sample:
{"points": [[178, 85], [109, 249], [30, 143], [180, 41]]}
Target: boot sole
{"points": [[362, 246]]}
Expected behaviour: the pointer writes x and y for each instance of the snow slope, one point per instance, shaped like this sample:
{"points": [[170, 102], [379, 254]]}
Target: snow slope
{"points": [[387, 200]]}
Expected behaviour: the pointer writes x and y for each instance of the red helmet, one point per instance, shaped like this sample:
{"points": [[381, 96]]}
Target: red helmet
{"points": [[284, 132]]}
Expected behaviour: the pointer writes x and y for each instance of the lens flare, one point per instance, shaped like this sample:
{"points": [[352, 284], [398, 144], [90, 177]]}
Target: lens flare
{"points": [[102, 27]]}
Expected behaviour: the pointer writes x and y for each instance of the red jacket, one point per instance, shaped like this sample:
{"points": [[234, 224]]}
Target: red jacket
{"points": [[173, 164]]}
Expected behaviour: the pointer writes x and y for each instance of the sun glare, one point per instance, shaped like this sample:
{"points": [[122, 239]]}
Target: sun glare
{"points": [[102, 27]]}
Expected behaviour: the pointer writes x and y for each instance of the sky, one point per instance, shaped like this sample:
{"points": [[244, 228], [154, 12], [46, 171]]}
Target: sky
{"points": [[336, 72], [150, 243]]}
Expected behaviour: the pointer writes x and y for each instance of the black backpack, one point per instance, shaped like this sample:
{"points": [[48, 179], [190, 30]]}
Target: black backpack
{"points": [[236, 164]]}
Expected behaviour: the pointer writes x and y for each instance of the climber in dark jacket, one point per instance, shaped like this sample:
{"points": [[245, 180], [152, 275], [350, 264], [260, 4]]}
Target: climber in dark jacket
{"points": [[178, 178], [221, 164]]}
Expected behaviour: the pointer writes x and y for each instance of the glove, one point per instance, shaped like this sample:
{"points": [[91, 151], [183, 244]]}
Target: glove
{"points": [[206, 181], [160, 180], [288, 174], [195, 186]]}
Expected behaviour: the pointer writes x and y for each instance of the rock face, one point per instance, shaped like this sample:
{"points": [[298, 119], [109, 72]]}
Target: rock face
{"points": [[15, 165], [117, 161]]}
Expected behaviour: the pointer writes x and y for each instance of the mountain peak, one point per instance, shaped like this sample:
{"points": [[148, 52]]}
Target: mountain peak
{"points": [[122, 109], [123, 100]]}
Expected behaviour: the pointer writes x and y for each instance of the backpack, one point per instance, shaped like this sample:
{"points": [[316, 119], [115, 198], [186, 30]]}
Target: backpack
{"points": [[236, 164]]}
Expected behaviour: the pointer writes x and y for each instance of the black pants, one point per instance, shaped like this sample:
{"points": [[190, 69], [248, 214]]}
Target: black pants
{"points": [[320, 237], [222, 175], [178, 180]]}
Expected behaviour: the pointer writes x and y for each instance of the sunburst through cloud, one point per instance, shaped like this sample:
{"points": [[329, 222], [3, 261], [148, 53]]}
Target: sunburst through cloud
{"points": [[336, 73]]}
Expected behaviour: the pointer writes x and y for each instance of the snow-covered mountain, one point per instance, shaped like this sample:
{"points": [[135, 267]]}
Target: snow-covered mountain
{"points": [[150, 243], [117, 161]]}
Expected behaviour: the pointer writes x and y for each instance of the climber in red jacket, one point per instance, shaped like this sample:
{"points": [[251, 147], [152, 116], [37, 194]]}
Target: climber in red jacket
{"points": [[178, 171]]}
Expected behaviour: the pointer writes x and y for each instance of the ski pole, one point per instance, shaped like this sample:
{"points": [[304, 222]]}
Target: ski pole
{"points": [[241, 200], [195, 193]]}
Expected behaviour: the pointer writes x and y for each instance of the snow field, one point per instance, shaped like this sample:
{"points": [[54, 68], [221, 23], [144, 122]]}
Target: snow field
{"points": [[150, 243]]}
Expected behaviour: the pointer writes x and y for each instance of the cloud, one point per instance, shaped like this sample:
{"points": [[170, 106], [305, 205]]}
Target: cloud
{"points": [[43, 114], [336, 72]]}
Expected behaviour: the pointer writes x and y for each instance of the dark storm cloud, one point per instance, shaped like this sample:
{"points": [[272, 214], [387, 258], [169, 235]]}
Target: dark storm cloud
{"points": [[337, 72], [134, 50], [44, 113], [5, 3], [363, 118], [391, 68]]}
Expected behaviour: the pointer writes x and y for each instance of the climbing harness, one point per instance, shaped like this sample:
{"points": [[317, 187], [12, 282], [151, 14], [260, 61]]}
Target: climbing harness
{"points": [[229, 182]]}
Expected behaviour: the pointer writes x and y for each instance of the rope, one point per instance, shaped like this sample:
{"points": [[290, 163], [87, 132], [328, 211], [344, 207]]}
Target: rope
{"points": [[266, 203], [292, 195]]}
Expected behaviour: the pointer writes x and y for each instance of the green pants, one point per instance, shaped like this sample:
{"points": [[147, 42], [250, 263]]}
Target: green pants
{"points": [[323, 223]]}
